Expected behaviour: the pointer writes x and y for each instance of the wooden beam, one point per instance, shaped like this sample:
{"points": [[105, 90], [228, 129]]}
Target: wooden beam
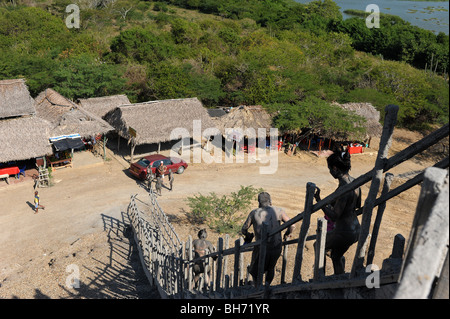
{"points": [[427, 245], [376, 226], [319, 249], [390, 120], [310, 189]]}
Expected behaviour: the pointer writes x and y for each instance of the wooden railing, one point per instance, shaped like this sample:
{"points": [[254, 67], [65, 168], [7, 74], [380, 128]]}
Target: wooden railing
{"points": [[168, 261]]}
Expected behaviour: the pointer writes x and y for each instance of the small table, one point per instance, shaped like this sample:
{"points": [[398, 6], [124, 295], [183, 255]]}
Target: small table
{"points": [[66, 162]]}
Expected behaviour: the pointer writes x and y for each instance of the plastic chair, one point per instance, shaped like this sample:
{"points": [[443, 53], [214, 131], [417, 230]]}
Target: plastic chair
{"points": [[22, 171]]}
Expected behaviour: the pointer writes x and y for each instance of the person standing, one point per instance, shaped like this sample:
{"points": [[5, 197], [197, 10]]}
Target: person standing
{"points": [[158, 185], [37, 204], [201, 247], [272, 216], [342, 212], [170, 179]]}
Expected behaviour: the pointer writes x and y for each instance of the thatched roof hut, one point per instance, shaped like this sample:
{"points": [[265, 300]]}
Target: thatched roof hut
{"points": [[15, 99], [24, 138], [68, 118], [154, 121], [102, 105], [370, 113], [245, 117]]}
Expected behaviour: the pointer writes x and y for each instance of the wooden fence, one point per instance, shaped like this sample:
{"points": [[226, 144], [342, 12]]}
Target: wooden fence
{"points": [[168, 261]]}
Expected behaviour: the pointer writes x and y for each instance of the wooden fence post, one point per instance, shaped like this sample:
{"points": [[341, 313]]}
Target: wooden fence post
{"points": [[241, 263], [427, 246], [225, 261], [190, 266], [262, 255], [237, 255], [390, 120], [219, 262], [310, 189], [284, 264], [319, 249], [376, 226]]}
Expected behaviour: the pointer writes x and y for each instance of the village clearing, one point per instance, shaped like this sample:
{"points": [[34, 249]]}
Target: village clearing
{"points": [[83, 225]]}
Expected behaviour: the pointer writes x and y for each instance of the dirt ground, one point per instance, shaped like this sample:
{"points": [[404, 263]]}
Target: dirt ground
{"points": [[81, 228]]}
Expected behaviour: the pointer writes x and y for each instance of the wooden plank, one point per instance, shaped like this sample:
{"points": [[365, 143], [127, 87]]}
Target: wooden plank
{"points": [[190, 265], [219, 263], [225, 260], [376, 226], [284, 264], [428, 242], [241, 262], [262, 256], [237, 256], [319, 249], [399, 247], [310, 189], [390, 120]]}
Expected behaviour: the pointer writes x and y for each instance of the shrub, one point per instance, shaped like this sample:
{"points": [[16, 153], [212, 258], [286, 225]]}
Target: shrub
{"points": [[223, 214]]}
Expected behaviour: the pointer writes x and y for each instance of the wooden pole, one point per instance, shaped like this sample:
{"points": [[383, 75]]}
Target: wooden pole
{"points": [[241, 263], [310, 189], [219, 262], [237, 255], [319, 249], [133, 145], [390, 120], [190, 266], [284, 264], [225, 260], [428, 241], [262, 256], [376, 226]]}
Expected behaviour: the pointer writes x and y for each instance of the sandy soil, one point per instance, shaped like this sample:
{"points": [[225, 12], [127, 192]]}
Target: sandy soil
{"points": [[83, 221]]}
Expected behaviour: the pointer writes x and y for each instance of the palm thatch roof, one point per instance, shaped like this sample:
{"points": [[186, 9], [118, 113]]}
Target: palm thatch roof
{"points": [[370, 113], [102, 105], [245, 117], [68, 118], [15, 99], [154, 121], [24, 138]]}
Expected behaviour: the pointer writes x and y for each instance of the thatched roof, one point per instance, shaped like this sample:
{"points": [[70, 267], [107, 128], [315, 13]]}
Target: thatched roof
{"points": [[68, 118], [24, 138], [155, 120], [244, 117], [102, 105], [370, 113], [15, 99]]}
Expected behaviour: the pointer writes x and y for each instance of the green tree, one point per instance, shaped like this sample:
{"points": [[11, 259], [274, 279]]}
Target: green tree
{"points": [[84, 76]]}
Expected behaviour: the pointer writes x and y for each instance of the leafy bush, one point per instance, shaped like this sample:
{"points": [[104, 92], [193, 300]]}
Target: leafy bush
{"points": [[223, 214]]}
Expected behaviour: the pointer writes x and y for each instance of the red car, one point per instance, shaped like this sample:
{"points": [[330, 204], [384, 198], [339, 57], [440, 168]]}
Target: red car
{"points": [[139, 169]]}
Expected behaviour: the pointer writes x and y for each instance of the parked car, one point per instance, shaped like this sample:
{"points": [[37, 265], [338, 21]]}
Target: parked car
{"points": [[139, 169]]}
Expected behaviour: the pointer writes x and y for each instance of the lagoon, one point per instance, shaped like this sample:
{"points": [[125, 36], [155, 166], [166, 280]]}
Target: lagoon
{"points": [[429, 15]]}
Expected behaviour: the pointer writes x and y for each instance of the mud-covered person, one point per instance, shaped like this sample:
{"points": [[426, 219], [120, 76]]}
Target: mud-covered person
{"points": [[201, 247], [341, 212], [272, 216]]}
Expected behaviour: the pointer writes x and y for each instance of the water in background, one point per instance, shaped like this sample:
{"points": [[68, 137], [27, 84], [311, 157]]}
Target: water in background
{"points": [[427, 15]]}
